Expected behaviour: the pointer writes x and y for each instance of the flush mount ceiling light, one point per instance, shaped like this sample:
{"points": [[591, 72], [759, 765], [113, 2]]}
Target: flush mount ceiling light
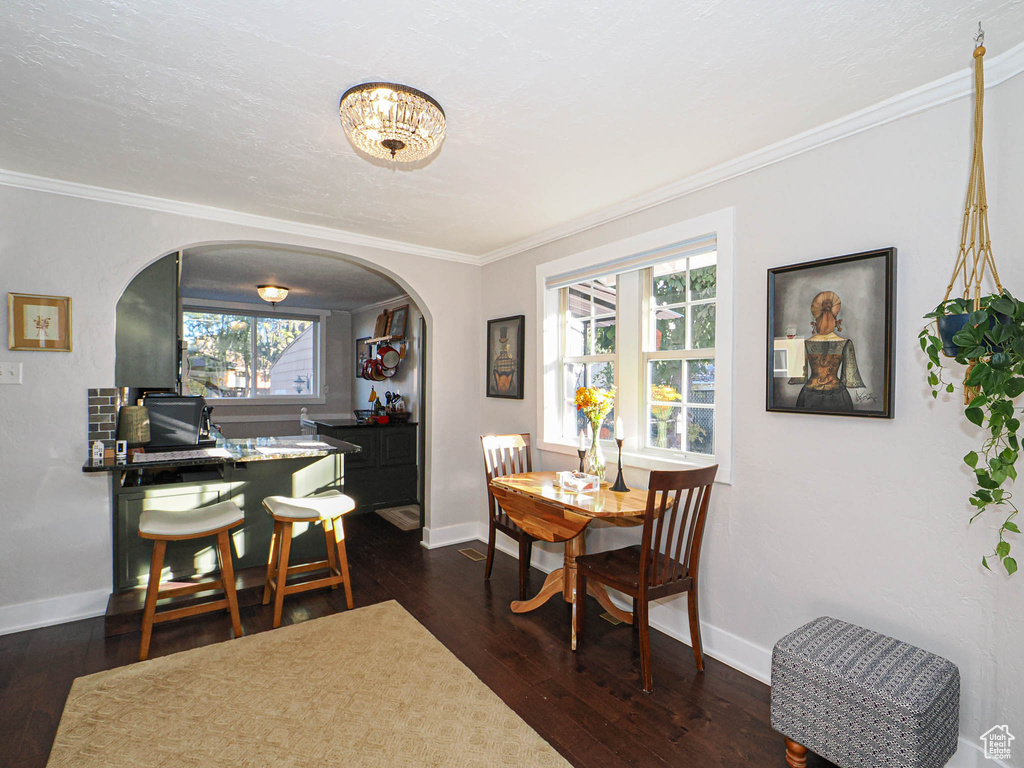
{"points": [[272, 293], [392, 122]]}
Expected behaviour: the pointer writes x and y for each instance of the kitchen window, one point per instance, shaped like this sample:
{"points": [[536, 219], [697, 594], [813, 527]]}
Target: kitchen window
{"points": [[234, 354], [650, 315]]}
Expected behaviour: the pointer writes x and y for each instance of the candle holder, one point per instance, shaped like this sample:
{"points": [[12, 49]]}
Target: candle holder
{"points": [[582, 454], [620, 485]]}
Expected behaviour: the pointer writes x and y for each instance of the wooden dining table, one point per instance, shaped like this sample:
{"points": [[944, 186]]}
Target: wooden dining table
{"points": [[538, 505]]}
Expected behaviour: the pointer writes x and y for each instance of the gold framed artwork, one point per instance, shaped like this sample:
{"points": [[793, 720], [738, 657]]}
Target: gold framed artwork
{"points": [[38, 323]]}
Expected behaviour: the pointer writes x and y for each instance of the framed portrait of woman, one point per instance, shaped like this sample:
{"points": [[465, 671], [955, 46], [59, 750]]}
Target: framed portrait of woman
{"points": [[831, 336]]}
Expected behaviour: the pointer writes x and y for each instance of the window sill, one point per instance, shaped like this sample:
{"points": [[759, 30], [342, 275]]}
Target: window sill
{"points": [[227, 402], [635, 460]]}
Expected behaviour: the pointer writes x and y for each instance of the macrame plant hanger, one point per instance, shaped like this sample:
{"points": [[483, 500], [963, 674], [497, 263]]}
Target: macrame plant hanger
{"points": [[975, 257]]}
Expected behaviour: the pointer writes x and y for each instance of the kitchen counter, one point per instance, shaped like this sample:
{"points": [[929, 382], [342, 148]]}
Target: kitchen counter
{"points": [[232, 451], [350, 423], [245, 471]]}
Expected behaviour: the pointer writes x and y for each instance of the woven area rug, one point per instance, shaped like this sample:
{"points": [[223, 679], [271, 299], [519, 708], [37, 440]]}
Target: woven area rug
{"points": [[368, 687]]}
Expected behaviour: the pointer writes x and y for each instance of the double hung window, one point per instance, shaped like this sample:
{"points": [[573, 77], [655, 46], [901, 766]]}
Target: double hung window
{"points": [[654, 322]]}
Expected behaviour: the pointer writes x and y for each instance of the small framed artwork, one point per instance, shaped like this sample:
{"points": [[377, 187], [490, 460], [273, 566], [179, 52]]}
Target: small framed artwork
{"points": [[505, 347], [396, 326], [362, 355], [39, 323], [831, 335]]}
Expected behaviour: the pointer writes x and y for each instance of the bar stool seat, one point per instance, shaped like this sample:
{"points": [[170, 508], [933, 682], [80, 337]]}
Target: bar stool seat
{"points": [[324, 509], [325, 506], [193, 522], [161, 526]]}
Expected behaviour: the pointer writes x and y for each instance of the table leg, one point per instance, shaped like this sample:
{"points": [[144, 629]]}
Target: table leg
{"points": [[601, 594], [564, 580], [552, 586]]}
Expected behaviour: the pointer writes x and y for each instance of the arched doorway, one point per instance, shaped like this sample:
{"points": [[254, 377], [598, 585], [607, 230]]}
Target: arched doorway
{"points": [[341, 347]]}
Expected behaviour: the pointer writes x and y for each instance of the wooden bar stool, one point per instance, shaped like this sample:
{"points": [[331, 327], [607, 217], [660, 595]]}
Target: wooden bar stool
{"points": [[162, 526], [325, 508]]}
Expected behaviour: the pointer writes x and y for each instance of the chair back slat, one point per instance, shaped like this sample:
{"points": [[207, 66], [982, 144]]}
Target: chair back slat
{"points": [[677, 507], [505, 455]]}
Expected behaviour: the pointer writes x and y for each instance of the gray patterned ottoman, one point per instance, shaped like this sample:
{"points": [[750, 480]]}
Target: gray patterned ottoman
{"points": [[862, 699]]}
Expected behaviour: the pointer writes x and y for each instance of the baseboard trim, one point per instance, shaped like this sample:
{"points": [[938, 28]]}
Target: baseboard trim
{"points": [[453, 534], [730, 649], [54, 610]]}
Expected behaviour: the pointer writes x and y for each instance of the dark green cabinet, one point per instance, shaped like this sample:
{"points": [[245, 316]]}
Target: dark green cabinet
{"points": [[247, 484], [386, 472], [146, 333]]}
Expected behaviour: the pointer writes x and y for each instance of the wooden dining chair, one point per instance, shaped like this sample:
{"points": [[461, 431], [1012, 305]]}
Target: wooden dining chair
{"points": [[506, 455], [666, 562]]}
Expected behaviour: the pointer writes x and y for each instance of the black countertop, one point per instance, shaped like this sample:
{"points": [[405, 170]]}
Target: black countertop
{"points": [[348, 422], [232, 451]]}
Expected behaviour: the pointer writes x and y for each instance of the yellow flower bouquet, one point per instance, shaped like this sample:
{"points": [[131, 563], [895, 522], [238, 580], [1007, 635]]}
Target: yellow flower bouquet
{"points": [[595, 404]]}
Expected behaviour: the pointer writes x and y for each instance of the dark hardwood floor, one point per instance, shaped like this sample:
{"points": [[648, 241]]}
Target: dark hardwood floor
{"points": [[588, 705]]}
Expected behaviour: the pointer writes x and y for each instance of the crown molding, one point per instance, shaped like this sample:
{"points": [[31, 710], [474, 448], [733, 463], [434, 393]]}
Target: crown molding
{"points": [[997, 70], [210, 213], [380, 304]]}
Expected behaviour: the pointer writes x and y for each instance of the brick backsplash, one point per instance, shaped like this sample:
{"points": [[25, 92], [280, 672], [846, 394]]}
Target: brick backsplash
{"points": [[103, 404]]}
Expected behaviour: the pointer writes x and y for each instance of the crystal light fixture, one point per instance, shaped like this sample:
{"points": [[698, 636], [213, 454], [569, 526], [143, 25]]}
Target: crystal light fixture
{"points": [[392, 122], [272, 293]]}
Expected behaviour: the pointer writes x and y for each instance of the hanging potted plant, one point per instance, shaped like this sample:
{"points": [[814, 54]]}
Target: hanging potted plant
{"points": [[985, 332]]}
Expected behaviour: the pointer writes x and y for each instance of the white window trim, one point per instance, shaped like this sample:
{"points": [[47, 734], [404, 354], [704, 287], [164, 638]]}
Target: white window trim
{"points": [[548, 336], [266, 310]]}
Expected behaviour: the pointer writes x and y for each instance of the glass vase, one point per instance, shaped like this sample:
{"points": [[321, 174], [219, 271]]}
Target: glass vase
{"points": [[594, 460]]}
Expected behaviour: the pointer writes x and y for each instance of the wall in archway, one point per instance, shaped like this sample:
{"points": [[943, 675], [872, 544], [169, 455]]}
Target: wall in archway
{"points": [[56, 547]]}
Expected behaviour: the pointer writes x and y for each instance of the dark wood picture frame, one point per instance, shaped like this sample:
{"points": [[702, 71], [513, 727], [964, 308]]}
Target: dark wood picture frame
{"points": [[506, 337], [362, 354], [851, 371], [397, 321]]}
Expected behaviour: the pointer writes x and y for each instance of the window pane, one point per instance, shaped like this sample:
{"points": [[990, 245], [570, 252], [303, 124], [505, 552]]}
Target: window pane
{"points": [[703, 277], [602, 376], [702, 316], [700, 381], [604, 336], [576, 375], [573, 376], [575, 337], [670, 328], [219, 348], [665, 422], [591, 317], [284, 356], [700, 430], [669, 282], [666, 380]]}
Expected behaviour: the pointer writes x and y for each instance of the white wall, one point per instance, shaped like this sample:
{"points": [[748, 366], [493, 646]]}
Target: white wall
{"points": [[407, 379], [862, 519], [56, 548]]}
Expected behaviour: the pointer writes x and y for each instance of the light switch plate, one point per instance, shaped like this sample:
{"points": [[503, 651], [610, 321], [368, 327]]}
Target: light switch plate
{"points": [[10, 373]]}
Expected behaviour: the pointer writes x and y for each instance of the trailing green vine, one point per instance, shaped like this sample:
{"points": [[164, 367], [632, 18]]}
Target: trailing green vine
{"points": [[991, 344]]}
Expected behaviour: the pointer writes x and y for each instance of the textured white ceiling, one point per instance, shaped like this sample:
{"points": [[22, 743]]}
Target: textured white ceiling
{"points": [[555, 110], [232, 272]]}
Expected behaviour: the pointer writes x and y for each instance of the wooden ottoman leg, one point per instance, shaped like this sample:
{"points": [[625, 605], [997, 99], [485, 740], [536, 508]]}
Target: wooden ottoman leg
{"points": [[796, 754]]}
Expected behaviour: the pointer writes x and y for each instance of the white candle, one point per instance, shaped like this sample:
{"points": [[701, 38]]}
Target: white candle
{"points": [[583, 440], [620, 431]]}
